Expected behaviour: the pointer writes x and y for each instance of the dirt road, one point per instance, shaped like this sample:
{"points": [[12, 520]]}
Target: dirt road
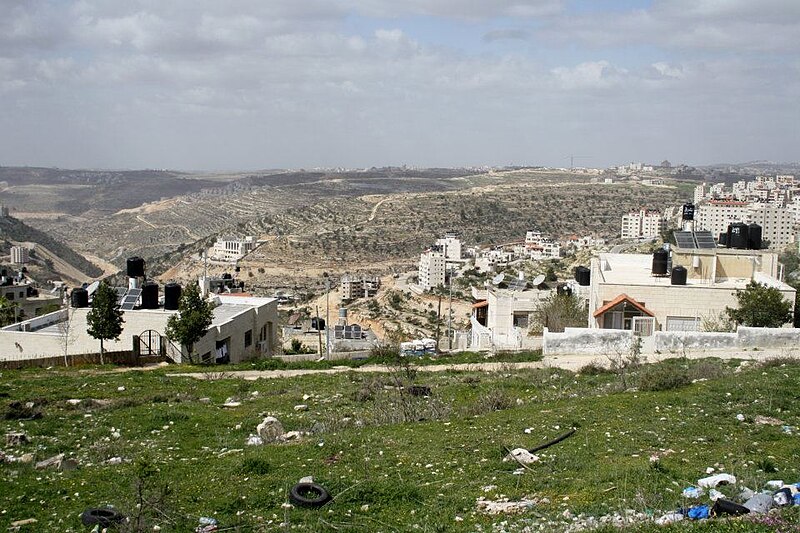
{"points": [[573, 363]]}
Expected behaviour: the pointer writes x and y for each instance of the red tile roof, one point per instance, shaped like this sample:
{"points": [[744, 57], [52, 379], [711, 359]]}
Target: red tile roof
{"points": [[618, 300]]}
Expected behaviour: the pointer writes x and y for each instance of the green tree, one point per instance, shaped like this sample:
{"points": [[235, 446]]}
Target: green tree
{"points": [[559, 311], [192, 321], [104, 320], [7, 312], [761, 307]]}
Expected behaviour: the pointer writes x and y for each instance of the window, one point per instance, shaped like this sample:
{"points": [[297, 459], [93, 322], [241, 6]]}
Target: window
{"points": [[681, 323], [520, 320], [248, 338]]}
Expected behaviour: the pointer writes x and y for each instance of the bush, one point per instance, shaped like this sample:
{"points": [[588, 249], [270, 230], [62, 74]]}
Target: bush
{"points": [[594, 369], [663, 377]]}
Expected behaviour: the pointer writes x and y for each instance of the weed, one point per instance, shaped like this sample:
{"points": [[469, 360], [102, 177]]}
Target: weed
{"points": [[255, 465], [663, 377]]}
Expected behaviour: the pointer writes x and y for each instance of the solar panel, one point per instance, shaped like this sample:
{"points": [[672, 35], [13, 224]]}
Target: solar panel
{"points": [[121, 292], [517, 285], [705, 239], [129, 299], [684, 239]]}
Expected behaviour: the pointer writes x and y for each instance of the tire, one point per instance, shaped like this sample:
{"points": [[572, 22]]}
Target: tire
{"points": [[309, 495], [103, 516]]}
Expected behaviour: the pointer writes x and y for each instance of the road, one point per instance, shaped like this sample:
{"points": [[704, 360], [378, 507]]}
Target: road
{"points": [[568, 362]]}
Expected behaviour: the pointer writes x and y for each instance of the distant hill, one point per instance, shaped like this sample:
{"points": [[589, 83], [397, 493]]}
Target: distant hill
{"points": [[12, 229]]}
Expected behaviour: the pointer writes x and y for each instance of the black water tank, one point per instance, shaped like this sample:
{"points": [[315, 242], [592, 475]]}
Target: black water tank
{"points": [[679, 275], [688, 212], [583, 276], [172, 295], [318, 323], [723, 239], [150, 295], [737, 236], [660, 261], [79, 297], [135, 267], [754, 236]]}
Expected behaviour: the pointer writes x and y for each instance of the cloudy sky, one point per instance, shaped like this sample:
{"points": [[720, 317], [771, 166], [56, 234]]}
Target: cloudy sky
{"points": [[249, 84]]}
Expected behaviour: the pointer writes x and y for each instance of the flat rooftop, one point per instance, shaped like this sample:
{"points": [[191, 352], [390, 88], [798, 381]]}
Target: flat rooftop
{"points": [[636, 269]]}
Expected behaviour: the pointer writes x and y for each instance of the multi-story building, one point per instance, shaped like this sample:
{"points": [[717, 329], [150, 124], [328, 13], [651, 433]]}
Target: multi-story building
{"points": [[450, 245], [232, 248], [19, 255], [538, 246], [432, 269], [716, 215], [778, 224], [642, 223], [353, 287]]}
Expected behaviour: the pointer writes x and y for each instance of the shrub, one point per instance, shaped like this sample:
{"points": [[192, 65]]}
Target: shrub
{"points": [[663, 377]]}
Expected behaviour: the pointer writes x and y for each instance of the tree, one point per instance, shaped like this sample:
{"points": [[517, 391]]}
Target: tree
{"points": [[104, 319], [192, 321], [761, 307], [559, 311], [7, 312]]}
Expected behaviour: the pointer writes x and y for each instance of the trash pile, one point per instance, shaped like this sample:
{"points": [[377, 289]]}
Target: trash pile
{"points": [[775, 494]]}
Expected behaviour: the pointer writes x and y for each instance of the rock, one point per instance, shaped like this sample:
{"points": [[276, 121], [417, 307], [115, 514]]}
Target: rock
{"points": [[121, 389], [16, 438], [740, 417], [306, 397], [759, 503], [774, 483], [522, 456], [59, 462], [301, 407], [74, 401], [669, 518], [114, 461], [26, 522], [768, 421], [204, 400], [306, 479], [231, 405], [25, 458], [292, 435], [254, 440], [270, 429]]}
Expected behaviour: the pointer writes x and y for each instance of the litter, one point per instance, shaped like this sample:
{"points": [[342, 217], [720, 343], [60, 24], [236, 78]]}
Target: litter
{"points": [[207, 525], [504, 506], [719, 479], [727, 507], [715, 495], [698, 512], [692, 492], [554, 441], [522, 456], [670, 518], [774, 483], [759, 503], [783, 497]]}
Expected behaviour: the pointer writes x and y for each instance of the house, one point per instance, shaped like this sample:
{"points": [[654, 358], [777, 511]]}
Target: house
{"points": [[243, 327], [502, 318], [642, 292], [25, 296], [232, 249]]}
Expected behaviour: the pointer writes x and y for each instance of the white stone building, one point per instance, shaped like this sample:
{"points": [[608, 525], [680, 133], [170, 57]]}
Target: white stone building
{"points": [[778, 224], [20, 255], [450, 246], [642, 224], [232, 248], [716, 215], [503, 319], [243, 327], [432, 266]]}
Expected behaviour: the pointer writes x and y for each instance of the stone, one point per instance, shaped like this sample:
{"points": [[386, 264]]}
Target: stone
{"points": [[522, 456], [301, 407], [26, 522], [306, 479], [292, 435], [74, 401], [16, 438], [270, 429]]}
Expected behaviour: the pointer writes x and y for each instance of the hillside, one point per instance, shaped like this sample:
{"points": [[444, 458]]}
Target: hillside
{"points": [[12, 229], [394, 461]]}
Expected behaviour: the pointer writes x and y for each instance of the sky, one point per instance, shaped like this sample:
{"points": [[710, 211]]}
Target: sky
{"points": [[256, 84]]}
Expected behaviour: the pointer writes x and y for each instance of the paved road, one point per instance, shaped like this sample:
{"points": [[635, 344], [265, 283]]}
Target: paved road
{"points": [[569, 362]]}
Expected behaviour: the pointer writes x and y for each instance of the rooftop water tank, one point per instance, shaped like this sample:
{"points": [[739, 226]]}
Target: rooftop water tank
{"points": [[754, 237], [79, 297], [678, 276], [660, 261], [172, 295], [150, 295], [723, 239], [583, 276], [688, 212], [135, 267], [738, 236]]}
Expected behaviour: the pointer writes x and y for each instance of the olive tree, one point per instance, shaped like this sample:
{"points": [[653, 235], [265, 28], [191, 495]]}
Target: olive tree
{"points": [[761, 306], [195, 314], [104, 320]]}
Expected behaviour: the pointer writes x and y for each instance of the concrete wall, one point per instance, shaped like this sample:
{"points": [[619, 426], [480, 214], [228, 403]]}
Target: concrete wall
{"points": [[587, 341], [578, 341]]}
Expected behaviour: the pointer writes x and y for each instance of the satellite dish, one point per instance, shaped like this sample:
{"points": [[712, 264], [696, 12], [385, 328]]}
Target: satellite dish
{"points": [[498, 279], [538, 280], [93, 287]]}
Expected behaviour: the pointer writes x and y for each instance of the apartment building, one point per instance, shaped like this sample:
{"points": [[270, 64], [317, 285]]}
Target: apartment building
{"points": [[20, 255], [450, 245], [642, 223], [432, 267], [778, 224], [232, 248], [354, 287]]}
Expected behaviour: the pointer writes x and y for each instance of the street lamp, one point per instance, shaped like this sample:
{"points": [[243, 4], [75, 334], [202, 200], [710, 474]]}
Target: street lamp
{"points": [[327, 315]]}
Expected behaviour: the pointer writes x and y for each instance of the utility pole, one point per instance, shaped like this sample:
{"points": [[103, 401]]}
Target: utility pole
{"points": [[327, 317], [438, 322], [319, 331], [450, 313]]}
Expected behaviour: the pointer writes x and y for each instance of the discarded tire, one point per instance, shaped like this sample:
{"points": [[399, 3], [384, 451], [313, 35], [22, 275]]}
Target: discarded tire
{"points": [[103, 516], [309, 495]]}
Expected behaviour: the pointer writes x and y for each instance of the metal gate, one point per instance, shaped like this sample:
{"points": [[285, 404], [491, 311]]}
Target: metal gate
{"points": [[150, 343]]}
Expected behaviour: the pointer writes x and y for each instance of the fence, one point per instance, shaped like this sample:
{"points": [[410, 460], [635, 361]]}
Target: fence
{"points": [[123, 358]]}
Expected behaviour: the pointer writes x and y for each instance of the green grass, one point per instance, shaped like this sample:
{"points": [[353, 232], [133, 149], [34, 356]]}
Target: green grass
{"points": [[392, 461]]}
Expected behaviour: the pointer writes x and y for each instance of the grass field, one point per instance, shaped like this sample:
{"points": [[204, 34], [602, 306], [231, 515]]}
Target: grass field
{"points": [[391, 460]]}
